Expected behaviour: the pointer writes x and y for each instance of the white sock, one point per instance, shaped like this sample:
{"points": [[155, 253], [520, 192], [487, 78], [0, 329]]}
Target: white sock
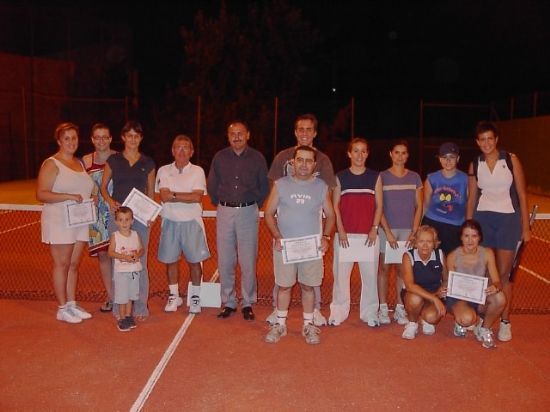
{"points": [[281, 317], [195, 290], [174, 289], [383, 306], [399, 306], [71, 303], [308, 318]]}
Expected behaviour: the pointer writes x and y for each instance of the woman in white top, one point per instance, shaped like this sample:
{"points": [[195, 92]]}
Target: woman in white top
{"points": [[62, 180]]}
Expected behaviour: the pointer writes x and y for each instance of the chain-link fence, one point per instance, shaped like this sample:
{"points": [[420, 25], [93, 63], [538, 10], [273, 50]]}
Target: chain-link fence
{"points": [[26, 265]]}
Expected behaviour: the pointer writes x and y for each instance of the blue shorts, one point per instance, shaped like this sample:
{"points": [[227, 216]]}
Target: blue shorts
{"points": [[500, 230], [126, 285], [177, 237]]}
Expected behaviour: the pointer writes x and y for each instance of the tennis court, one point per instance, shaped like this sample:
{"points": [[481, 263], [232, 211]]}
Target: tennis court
{"points": [[179, 362]]}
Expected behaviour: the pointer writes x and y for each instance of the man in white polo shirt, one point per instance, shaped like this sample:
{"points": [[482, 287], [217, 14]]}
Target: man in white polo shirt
{"points": [[181, 185]]}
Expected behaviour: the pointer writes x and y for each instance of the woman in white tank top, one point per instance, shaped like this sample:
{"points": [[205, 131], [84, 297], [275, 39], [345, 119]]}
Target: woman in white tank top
{"points": [[62, 180]]}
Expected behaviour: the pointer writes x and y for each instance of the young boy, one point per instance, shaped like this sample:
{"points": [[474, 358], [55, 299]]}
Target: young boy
{"points": [[125, 248]]}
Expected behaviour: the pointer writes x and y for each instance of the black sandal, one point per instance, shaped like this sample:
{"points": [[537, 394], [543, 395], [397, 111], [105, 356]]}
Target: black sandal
{"points": [[107, 306]]}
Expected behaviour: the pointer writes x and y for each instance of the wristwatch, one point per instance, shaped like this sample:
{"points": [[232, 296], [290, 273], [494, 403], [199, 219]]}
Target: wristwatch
{"points": [[327, 237], [173, 195]]}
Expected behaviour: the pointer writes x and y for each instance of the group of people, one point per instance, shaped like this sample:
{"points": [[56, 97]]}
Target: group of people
{"points": [[451, 222]]}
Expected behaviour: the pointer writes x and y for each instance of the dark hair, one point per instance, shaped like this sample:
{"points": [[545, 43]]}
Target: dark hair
{"points": [[238, 121], [63, 127], [307, 149], [306, 116], [472, 224], [357, 140], [124, 209], [400, 142], [485, 126], [132, 125], [97, 126]]}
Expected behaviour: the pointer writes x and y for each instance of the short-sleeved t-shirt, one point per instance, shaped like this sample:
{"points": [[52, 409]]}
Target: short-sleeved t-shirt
{"points": [[300, 206], [186, 180], [126, 177], [400, 198]]}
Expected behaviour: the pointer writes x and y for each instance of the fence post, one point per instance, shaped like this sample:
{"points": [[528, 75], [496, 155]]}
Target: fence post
{"points": [[25, 133], [275, 124]]}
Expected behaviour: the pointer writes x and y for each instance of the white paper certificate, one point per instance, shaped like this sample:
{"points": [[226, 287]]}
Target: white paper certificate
{"points": [[145, 209], [358, 251], [80, 214], [395, 255], [467, 287], [301, 249]]}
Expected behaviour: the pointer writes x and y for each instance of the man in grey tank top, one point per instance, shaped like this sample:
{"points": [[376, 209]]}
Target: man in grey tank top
{"points": [[299, 201]]}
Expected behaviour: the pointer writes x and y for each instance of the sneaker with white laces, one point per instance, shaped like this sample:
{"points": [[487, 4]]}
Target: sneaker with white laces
{"points": [[485, 336], [195, 304], [276, 332], [272, 318], [64, 315], [411, 329], [504, 332], [318, 318], [400, 315], [311, 333], [383, 315], [78, 311], [174, 302], [460, 331], [427, 328]]}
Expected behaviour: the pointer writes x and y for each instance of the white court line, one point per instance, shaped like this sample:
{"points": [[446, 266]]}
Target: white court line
{"points": [[535, 274], [148, 388], [19, 227], [541, 239]]}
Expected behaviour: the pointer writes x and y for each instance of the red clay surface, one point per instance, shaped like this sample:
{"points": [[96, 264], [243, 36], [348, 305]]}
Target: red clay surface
{"points": [[224, 365]]}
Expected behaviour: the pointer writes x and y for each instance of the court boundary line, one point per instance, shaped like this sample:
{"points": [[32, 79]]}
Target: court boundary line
{"points": [[19, 227], [157, 372], [534, 274]]}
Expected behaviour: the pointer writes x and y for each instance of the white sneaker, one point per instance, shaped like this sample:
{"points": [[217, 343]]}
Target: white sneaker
{"points": [[275, 333], [372, 320], [485, 336], [333, 322], [383, 315], [400, 315], [427, 328], [174, 302], [460, 331], [64, 315], [505, 332], [78, 311], [318, 318], [195, 304], [411, 329], [272, 318]]}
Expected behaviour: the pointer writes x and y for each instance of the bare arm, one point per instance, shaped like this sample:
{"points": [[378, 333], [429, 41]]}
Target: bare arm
{"points": [[472, 192], [106, 178], [519, 178], [269, 216], [150, 188], [495, 286], [342, 235], [417, 215], [166, 195], [46, 179], [379, 199], [329, 222]]}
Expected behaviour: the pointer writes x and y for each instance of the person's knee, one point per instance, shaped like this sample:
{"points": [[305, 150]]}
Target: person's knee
{"points": [[306, 288], [413, 301], [431, 316], [497, 302], [465, 317]]}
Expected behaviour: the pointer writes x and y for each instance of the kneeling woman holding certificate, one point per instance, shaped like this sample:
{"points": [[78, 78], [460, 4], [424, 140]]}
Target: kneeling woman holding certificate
{"points": [[476, 260], [425, 278]]}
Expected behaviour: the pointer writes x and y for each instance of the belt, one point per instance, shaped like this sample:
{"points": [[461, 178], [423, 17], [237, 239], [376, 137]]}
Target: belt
{"points": [[237, 204]]}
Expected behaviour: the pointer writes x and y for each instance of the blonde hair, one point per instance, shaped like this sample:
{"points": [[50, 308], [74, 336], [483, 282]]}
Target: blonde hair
{"points": [[429, 229]]}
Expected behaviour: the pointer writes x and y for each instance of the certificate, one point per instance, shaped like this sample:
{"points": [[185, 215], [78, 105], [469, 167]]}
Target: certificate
{"points": [[145, 209], [358, 251], [395, 255], [80, 214], [301, 249], [467, 287]]}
